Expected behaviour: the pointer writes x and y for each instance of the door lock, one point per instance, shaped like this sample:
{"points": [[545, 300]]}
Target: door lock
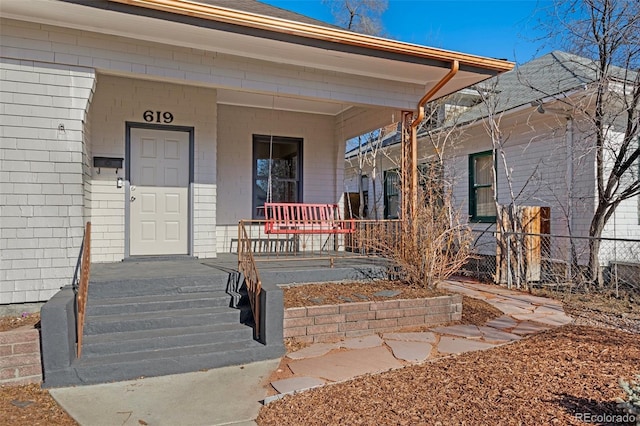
{"points": [[133, 198]]}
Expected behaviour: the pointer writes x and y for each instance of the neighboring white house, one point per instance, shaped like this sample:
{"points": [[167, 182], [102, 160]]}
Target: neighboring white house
{"points": [[154, 120], [548, 151]]}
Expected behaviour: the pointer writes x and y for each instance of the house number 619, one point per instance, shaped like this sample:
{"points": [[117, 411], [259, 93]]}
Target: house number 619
{"points": [[157, 116]]}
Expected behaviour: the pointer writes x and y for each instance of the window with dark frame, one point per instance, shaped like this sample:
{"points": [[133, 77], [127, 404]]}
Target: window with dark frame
{"points": [[391, 194], [430, 180], [481, 204], [283, 155], [365, 195]]}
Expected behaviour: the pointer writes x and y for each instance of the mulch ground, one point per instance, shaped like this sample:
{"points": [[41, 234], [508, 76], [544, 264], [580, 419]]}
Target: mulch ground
{"points": [[13, 322], [549, 378], [31, 405], [608, 310], [546, 379], [344, 292]]}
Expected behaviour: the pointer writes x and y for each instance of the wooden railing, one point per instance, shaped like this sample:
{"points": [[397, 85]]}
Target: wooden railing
{"points": [[82, 287], [247, 265], [367, 238]]}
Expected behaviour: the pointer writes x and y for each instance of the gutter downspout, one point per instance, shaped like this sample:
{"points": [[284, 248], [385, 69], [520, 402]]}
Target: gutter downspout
{"points": [[455, 65]]}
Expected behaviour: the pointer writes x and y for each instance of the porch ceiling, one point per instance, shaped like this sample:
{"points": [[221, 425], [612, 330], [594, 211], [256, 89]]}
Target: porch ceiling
{"points": [[281, 41], [279, 102]]}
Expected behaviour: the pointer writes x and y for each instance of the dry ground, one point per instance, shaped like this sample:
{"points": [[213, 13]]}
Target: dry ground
{"points": [[545, 379], [26, 319], [28, 404], [335, 293], [608, 310], [542, 380], [31, 405]]}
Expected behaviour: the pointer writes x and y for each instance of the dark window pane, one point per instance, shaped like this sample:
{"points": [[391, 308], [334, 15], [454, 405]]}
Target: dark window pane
{"points": [[481, 202], [276, 157], [483, 170], [484, 202]]}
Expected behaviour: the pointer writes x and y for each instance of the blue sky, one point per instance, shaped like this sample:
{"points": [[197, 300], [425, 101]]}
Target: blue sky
{"points": [[493, 28]]}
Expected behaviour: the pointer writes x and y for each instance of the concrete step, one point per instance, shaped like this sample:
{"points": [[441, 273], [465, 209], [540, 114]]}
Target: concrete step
{"points": [[164, 338], [101, 369], [137, 304], [149, 286], [164, 319]]}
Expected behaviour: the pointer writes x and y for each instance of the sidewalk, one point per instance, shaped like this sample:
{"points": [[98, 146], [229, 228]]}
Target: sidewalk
{"points": [[223, 396], [323, 363]]}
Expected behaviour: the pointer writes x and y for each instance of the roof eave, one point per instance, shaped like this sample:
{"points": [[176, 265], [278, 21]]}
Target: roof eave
{"points": [[316, 32]]}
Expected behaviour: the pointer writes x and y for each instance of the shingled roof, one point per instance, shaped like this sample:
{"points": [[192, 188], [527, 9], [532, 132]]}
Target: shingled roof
{"points": [[550, 75], [253, 6]]}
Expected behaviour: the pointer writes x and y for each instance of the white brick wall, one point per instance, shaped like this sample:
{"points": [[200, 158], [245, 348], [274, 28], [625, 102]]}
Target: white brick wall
{"points": [[41, 200], [118, 100]]}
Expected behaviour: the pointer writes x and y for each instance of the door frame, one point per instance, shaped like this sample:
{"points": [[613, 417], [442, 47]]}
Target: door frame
{"points": [[129, 125]]}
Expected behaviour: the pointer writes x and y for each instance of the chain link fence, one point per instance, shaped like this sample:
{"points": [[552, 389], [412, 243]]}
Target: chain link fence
{"points": [[521, 260], [482, 264]]}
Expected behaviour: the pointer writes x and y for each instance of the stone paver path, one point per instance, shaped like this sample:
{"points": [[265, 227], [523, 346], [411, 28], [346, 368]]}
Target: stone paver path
{"points": [[322, 363]]}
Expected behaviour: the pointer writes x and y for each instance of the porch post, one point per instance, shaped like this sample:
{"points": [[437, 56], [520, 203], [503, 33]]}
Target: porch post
{"points": [[407, 166]]}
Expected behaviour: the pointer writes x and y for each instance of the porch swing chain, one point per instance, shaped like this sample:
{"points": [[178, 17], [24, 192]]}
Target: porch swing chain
{"points": [[343, 181], [269, 182]]}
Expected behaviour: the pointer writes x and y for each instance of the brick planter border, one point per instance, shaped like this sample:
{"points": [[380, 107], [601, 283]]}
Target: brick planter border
{"points": [[20, 357], [328, 323]]}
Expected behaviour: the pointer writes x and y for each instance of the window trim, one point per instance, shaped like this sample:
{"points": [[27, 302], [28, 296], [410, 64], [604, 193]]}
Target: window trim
{"points": [[364, 182], [257, 139], [386, 194], [473, 217]]}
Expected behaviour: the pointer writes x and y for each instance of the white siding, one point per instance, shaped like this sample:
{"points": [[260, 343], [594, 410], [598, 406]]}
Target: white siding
{"points": [[127, 56], [625, 222], [118, 100], [49, 187], [41, 161], [538, 157]]}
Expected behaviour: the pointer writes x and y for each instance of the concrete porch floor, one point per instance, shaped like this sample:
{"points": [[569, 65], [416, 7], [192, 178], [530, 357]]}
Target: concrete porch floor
{"points": [[281, 269]]}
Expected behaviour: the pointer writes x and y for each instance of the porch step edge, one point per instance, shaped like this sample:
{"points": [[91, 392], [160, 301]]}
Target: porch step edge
{"points": [[101, 372], [156, 303], [160, 319], [163, 339]]}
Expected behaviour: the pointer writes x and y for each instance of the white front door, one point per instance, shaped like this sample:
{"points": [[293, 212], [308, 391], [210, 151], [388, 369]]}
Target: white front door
{"points": [[159, 219]]}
